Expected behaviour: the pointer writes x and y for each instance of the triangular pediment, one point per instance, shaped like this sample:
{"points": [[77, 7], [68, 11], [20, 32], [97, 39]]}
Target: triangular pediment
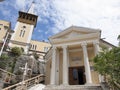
{"points": [[74, 31]]}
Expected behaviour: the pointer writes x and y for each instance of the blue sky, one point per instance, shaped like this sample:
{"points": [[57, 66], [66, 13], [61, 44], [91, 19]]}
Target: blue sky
{"points": [[56, 15]]}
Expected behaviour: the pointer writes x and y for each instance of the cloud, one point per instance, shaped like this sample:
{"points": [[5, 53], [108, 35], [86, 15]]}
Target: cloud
{"points": [[102, 14], [57, 15]]}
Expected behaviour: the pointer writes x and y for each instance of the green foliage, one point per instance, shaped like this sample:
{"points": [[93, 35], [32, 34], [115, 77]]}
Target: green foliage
{"points": [[4, 57], [22, 50], [16, 51], [108, 63], [36, 56], [3, 60]]}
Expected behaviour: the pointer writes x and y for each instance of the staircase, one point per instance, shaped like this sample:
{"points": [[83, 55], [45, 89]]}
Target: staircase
{"points": [[26, 84], [74, 87]]}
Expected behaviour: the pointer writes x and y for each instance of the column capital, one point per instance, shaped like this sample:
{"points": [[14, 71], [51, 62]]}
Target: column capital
{"points": [[54, 47], [65, 46], [95, 42], [83, 44]]}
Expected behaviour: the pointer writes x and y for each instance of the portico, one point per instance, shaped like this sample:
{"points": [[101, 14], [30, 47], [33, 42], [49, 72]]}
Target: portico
{"points": [[65, 51], [70, 55]]}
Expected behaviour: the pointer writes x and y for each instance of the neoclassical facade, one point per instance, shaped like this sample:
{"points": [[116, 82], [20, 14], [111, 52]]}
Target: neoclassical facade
{"points": [[69, 61]]}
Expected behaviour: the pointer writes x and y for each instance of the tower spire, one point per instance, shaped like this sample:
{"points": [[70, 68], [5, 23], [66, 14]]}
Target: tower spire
{"points": [[31, 9]]}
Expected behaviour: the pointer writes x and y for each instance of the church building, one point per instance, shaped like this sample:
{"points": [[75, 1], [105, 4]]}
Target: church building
{"points": [[69, 61], [22, 34], [23, 29]]}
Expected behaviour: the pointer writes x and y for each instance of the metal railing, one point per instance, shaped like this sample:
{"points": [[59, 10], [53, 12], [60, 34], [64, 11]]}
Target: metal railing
{"points": [[24, 85]]}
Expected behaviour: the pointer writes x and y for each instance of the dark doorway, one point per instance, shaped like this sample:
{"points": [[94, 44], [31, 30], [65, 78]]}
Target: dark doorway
{"points": [[76, 76]]}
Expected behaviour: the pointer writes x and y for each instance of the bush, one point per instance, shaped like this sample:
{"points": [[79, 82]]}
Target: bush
{"points": [[3, 60], [36, 56], [16, 51], [4, 57]]}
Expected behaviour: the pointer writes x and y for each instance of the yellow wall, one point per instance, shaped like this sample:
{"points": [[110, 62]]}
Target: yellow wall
{"points": [[47, 72], [39, 45], [18, 30], [2, 29]]}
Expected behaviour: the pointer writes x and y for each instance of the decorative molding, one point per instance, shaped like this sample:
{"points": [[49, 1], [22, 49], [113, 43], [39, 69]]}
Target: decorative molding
{"points": [[19, 43]]}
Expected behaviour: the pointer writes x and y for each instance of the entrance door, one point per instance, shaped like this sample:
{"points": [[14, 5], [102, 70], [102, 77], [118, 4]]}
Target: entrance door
{"points": [[76, 76]]}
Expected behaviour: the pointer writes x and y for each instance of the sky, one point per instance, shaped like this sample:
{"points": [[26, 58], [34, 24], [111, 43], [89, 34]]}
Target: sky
{"points": [[57, 15]]}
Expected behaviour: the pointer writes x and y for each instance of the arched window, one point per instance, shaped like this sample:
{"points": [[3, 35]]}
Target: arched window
{"points": [[22, 32]]}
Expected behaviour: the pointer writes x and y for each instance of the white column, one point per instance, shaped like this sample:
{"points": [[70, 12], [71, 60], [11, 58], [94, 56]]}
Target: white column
{"points": [[52, 79], [57, 68], [65, 66], [96, 47], [86, 64]]}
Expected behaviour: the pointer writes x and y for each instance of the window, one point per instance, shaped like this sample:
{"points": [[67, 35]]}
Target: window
{"points": [[24, 27], [22, 32], [46, 49], [6, 27], [34, 47]]}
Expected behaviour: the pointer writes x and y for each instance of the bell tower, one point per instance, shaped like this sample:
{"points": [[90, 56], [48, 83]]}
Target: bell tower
{"points": [[24, 27]]}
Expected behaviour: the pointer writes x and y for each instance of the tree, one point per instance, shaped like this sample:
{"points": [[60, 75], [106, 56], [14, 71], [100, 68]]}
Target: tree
{"points": [[107, 63], [36, 56], [3, 60], [118, 38], [16, 51]]}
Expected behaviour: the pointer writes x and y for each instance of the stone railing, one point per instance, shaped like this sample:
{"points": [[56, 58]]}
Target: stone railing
{"points": [[26, 84]]}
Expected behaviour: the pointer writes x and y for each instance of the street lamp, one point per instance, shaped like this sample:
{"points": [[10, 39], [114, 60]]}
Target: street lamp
{"points": [[4, 41], [33, 61]]}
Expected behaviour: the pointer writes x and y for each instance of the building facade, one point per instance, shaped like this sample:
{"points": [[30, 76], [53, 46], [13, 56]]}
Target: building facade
{"points": [[39, 47], [23, 29], [5, 32], [69, 61]]}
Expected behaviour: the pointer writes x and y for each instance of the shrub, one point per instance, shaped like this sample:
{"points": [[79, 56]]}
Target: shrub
{"points": [[16, 51]]}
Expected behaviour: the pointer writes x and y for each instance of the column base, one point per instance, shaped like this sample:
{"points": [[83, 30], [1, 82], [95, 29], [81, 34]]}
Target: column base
{"points": [[65, 84], [89, 84]]}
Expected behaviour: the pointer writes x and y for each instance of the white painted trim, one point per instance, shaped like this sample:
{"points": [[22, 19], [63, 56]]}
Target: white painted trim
{"points": [[75, 43], [75, 38], [15, 30], [13, 35], [75, 28], [30, 34]]}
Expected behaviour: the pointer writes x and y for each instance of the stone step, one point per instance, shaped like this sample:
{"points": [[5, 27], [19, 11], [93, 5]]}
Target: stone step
{"points": [[73, 87]]}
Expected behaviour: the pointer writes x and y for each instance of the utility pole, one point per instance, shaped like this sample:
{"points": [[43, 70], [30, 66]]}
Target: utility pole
{"points": [[4, 43]]}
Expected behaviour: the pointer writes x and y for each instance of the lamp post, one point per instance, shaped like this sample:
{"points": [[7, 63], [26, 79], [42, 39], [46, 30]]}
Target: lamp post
{"points": [[9, 32], [4, 43], [32, 64], [26, 69]]}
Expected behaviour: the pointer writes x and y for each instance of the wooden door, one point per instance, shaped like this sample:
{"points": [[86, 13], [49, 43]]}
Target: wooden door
{"points": [[73, 76], [76, 76]]}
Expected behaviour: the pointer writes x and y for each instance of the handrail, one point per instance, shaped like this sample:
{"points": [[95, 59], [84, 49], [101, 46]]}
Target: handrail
{"points": [[7, 72], [26, 84]]}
